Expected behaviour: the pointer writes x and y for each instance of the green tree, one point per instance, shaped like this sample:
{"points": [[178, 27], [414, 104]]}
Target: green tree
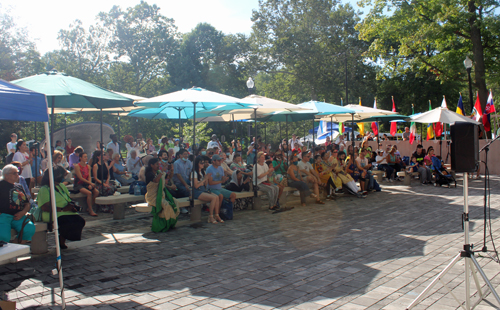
{"points": [[143, 39], [18, 55], [433, 36], [310, 42]]}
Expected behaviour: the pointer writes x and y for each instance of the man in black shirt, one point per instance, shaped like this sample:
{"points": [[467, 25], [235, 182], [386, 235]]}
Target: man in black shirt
{"points": [[14, 205], [425, 172]]}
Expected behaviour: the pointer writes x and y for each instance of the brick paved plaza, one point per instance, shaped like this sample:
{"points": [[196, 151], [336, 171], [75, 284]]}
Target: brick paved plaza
{"points": [[374, 253]]}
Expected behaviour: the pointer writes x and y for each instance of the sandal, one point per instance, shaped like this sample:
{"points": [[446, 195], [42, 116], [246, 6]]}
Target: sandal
{"points": [[313, 196], [320, 202], [211, 219], [217, 217]]}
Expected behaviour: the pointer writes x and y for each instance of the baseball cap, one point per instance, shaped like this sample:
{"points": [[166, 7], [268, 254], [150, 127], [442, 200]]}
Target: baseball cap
{"points": [[216, 157]]}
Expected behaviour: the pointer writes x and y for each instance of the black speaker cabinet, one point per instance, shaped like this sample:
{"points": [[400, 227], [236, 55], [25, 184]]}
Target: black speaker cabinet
{"points": [[464, 147]]}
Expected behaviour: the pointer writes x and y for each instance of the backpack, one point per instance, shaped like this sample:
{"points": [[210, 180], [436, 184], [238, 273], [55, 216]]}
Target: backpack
{"points": [[143, 186], [226, 210]]}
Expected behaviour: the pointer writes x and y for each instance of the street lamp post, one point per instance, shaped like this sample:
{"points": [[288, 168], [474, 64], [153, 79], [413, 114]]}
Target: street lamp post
{"points": [[250, 86], [468, 66]]}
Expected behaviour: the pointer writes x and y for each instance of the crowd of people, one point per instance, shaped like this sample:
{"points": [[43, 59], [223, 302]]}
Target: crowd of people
{"points": [[213, 173]]}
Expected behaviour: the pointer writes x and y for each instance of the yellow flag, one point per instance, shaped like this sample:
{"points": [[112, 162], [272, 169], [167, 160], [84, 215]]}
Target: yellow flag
{"points": [[361, 126]]}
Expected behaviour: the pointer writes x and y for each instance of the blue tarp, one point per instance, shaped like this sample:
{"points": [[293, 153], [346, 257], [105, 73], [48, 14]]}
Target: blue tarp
{"points": [[20, 104]]}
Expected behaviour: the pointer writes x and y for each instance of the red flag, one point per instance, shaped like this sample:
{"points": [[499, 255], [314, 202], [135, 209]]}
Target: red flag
{"points": [[375, 128], [490, 108], [477, 112], [438, 129], [394, 125]]}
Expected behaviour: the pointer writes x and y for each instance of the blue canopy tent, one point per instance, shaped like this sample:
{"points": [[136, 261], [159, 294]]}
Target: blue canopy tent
{"points": [[20, 104]]}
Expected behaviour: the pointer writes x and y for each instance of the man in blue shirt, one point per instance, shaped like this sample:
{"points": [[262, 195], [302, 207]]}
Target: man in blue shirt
{"points": [[216, 177], [182, 172]]}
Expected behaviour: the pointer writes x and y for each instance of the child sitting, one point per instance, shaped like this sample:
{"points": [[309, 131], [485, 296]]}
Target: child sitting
{"points": [[413, 165]]}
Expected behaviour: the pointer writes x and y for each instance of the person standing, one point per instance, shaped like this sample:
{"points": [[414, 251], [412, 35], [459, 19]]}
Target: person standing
{"points": [[11, 146], [69, 148], [214, 142], [25, 159], [294, 143]]}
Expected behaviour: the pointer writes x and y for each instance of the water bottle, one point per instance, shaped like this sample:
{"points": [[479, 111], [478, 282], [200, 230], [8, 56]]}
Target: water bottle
{"points": [[137, 190]]}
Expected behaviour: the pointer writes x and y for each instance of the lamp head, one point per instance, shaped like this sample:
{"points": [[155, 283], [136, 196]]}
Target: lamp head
{"points": [[467, 62], [250, 83]]}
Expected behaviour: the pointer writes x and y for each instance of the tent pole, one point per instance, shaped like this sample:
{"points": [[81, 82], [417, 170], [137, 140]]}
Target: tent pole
{"points": [[54, 216], [52, 120]]}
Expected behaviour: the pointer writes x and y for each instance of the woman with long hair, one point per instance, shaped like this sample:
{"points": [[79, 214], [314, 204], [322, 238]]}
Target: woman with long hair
{"points": [[22, 155], [100, 172], [83, 183], [200, 182]]}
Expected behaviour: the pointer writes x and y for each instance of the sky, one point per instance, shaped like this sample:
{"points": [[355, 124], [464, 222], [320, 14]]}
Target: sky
{"points": [[44, 19]]}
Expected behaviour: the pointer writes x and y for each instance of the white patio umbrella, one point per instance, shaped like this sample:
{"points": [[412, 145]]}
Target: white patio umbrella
{"points": [[441, 115]]}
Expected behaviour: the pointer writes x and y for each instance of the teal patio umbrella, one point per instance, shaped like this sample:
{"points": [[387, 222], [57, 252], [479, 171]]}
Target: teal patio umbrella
{"points": [[64, 91], [193, 99]]}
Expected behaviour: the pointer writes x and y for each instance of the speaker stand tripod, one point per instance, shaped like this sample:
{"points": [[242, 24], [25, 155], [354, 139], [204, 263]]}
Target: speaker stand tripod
{"points": [[471, 266]]}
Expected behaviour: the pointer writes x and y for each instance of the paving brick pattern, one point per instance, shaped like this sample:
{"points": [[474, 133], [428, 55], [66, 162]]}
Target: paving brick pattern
{"points": [[373, 253]]}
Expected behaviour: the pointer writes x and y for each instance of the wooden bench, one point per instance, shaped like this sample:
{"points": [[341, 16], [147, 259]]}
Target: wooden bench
{"points": [[39, 243]]}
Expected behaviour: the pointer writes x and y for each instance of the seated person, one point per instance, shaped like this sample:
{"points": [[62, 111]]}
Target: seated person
{"points": [[324, 171], [70, 223], [216, 178], [261, 169], [393, 161], [296, 180], [200, 182], [347, 181], [182, 171], [279, 164], [120, 172], [224, 165], [100, 172], [364, 167], [83, 182], [413, 167], [238, 183], [240, 166], [428, 157], [382, 165], [74, 158], [311, 176], [425, 172], [355, 173], [14, 204], [164, 160], [133, 163]]}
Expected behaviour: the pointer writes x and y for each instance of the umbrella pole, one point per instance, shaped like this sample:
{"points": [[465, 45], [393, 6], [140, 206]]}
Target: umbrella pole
{"points": [[255, 151], [36, 161], [54, 217], [279, 126], [118, 128], [193, 149], [352, 130], [65, 125], [287, 141], [180, 126], [331, 130], [313, 136], [101, 146], [265, 133]]}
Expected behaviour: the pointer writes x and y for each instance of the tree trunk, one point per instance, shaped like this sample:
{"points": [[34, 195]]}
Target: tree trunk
{"points": [[477, 49]]}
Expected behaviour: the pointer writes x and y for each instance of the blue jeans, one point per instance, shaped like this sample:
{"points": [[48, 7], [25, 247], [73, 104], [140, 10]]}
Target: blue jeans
{"points": [[388, 170], [372, 183], [182, 190], [7, 222]]}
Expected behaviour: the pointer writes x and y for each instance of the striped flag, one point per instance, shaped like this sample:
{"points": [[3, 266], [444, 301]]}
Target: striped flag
{"points": [[460, 106], [341, 128], [490, 108], [477, 112], [438, 127]]}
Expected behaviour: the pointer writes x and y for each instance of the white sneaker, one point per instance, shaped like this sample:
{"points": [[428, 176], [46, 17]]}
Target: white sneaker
{"points": [[117, 194]]}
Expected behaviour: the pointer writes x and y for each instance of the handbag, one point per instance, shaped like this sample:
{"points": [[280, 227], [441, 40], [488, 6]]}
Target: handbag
{"points": [[284, 182]]}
